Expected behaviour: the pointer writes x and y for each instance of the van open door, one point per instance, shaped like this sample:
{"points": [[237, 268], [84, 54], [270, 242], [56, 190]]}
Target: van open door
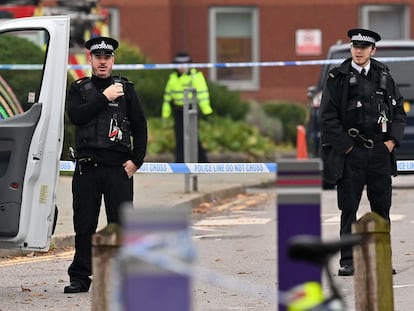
{"points": [[33, 73]]}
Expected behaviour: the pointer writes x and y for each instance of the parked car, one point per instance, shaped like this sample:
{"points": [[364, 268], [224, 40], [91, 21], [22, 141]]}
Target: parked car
{"points": [[403, 74]]}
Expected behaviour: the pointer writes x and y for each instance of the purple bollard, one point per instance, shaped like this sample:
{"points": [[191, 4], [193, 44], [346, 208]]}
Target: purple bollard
{"points": [[146, 285], [298, 212]]}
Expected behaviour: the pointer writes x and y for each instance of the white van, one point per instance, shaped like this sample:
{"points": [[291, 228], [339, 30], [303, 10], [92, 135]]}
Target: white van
{"points": [[33, 73]]}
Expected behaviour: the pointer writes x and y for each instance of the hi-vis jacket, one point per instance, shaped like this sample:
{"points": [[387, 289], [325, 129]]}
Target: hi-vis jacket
{"points": [[174, 92]]}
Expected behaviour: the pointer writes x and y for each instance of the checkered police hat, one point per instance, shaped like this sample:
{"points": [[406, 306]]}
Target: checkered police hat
{"points": [[101, 46], [363, 37]]}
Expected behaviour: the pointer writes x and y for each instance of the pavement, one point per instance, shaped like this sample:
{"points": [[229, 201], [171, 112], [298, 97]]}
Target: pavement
{"points": [[161, 190], [169, 190]]}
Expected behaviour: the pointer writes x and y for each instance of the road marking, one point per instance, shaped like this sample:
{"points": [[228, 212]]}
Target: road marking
{"points": [[403, 286], [232, 222], [208, 236], [27, 260]]}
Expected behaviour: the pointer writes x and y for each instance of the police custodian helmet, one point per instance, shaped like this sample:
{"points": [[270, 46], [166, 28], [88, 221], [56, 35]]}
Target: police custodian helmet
{"points": [[363, 37]]}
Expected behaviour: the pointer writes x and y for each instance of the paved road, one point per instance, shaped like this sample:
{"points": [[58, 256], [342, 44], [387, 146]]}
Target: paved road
{"points": [[229, 245], [228, 236]]}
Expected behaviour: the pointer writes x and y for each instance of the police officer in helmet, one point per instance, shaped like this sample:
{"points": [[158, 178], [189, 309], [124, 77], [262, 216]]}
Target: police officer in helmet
{"points": [[362, 123], [111, 140]]}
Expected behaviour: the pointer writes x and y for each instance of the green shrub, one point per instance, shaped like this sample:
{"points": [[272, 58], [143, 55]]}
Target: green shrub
{"points": [[160, 136], [227, 103], [223, 134], [218, 135], [268, 126], [17, 50], [290, 114]]}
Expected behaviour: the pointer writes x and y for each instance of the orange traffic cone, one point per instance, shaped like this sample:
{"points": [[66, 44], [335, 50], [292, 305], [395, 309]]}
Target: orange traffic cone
{"points": [[301, 146]]}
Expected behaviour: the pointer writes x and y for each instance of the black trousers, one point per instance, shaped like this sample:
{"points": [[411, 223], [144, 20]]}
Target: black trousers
{"points": [[89, 184], [179, 139], [364, 167]]}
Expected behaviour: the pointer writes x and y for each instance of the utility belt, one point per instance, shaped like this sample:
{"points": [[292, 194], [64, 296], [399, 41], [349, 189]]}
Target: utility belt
{"points": [[82, 160], [364, 140], [88, 161]]}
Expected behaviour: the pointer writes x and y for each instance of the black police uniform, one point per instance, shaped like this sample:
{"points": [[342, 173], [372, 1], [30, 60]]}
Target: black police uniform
{"points": [[103, 143], [360, 112]]}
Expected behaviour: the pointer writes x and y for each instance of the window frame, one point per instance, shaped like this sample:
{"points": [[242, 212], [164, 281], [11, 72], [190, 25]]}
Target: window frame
{"points": [[241, 85], [365, 10]]}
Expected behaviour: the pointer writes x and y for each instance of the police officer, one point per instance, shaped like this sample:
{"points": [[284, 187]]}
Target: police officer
{"points": [[362, 122], [185, 77], [111, 140]]}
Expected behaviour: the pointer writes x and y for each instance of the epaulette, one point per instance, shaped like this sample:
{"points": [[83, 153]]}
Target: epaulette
{"points": [[333, 73], [84, 84], [379, 65], [79, 81]]}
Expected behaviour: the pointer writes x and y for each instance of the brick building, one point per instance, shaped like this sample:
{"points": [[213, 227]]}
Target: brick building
{"points": [[254, 31]]}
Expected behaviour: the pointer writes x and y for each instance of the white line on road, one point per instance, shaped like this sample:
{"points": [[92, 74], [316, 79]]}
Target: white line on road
{"points": [[403, 286], [233, 222]]}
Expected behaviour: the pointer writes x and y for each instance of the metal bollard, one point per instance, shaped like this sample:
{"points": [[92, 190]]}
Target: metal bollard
{"points": [[298, 212], [105, 244], [373, 264], [190, 123]]}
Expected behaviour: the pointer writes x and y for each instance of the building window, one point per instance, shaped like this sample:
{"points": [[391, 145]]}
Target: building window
{"points": [[391, 21], [234, 39], [114, 22]]}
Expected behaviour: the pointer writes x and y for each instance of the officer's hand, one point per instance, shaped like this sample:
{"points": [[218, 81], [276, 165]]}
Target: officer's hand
{"points": [[130, 168], [114, 91], [390, 145]]}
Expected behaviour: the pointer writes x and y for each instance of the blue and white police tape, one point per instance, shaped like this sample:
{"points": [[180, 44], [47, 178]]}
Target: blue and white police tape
{"points": [[206, 65], [405, 165], [160, 250], [193, 168], [216, 168]]}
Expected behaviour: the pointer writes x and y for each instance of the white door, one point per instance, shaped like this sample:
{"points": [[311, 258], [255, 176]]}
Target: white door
{"points": [[33, 72]]}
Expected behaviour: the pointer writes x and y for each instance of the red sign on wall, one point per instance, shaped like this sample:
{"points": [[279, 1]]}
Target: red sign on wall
{"points": [[308, 42]]}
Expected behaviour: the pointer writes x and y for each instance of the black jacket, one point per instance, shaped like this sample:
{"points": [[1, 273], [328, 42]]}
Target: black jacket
{"points": [[83, 109], [335, 140]]}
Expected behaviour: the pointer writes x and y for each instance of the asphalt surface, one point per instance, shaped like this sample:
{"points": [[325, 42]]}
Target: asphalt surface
{"points": [[168, 190], [161, 190]]}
